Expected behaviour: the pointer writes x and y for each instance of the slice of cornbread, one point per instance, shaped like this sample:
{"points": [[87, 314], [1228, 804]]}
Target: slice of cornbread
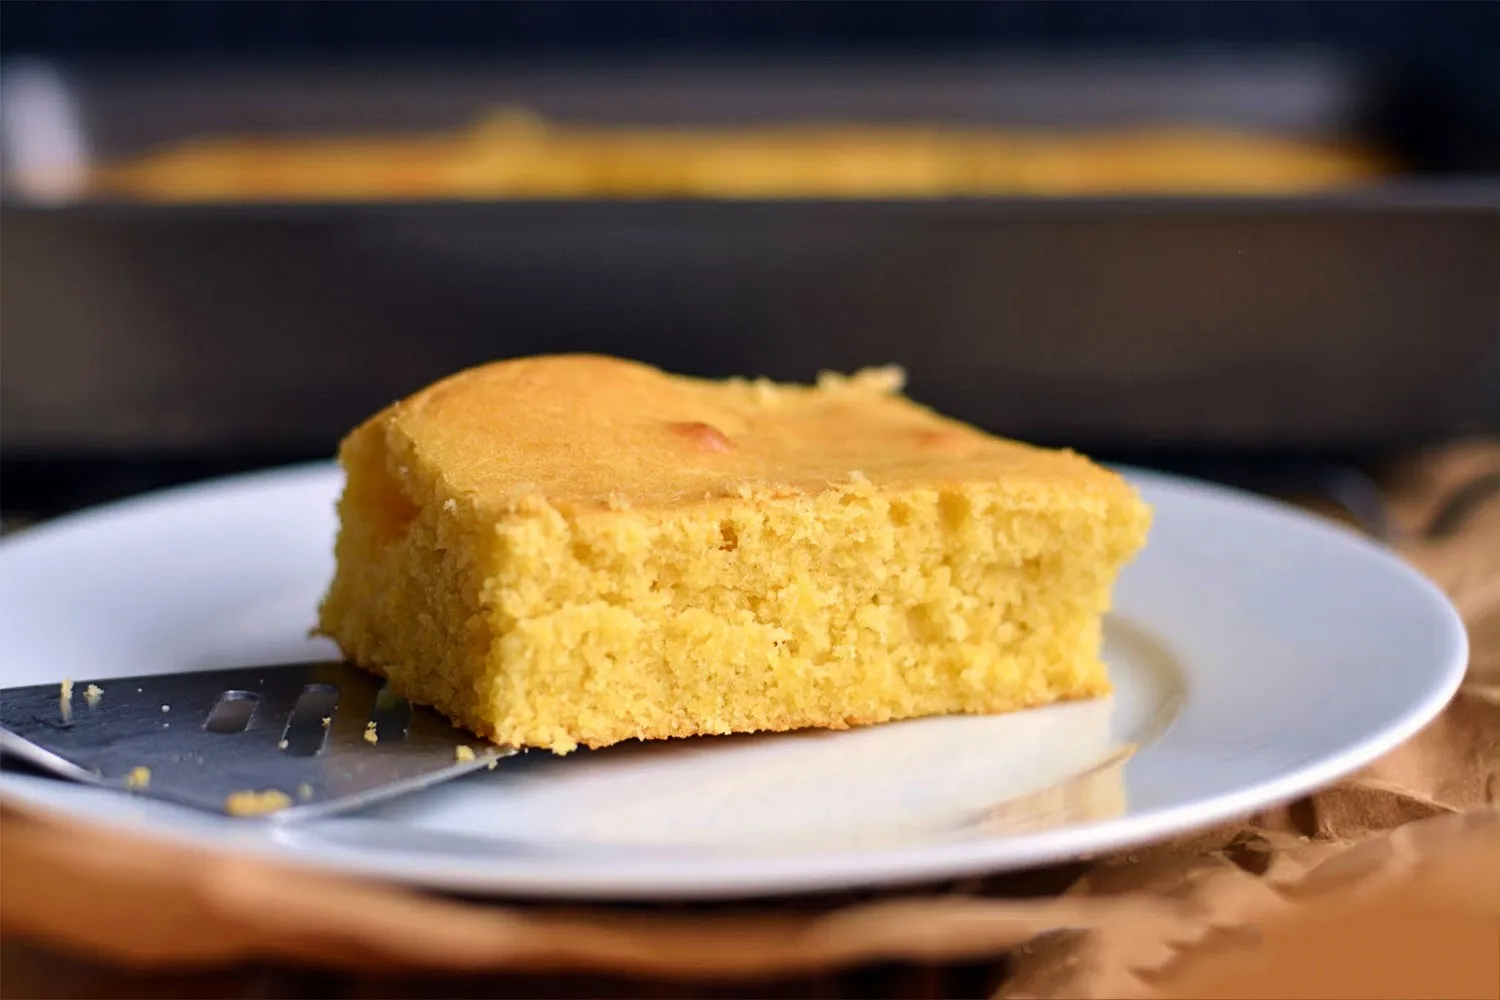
{"points": [[580, 550]]}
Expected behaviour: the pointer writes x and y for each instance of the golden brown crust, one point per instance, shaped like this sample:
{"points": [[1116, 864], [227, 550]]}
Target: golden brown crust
{"points": [[587, 431]]}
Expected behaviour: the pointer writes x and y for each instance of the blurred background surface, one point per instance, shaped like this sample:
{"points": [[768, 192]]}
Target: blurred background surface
{"points": [[1255, 241]]}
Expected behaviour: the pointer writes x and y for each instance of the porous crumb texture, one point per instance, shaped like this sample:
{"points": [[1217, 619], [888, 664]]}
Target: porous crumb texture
{"points": [[579, 550]]}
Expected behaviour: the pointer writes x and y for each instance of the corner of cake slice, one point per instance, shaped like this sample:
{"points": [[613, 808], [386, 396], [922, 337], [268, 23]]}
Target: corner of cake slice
{"points": [[567, 550]]}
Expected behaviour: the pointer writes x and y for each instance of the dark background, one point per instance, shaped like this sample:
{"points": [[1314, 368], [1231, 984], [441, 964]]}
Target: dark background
{"points": [[1443, 54], [1438, 61], [205, 341], [1455, 34]]}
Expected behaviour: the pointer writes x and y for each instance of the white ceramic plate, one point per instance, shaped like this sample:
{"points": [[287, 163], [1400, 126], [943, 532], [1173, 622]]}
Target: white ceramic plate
{"points": [[1257, 653]]}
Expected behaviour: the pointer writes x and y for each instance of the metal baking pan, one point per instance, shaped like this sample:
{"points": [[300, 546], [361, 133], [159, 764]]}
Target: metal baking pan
{"points": [[1364, 319]]}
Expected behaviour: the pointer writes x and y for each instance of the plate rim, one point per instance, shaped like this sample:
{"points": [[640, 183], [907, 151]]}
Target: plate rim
{"points": [[752, 876]]}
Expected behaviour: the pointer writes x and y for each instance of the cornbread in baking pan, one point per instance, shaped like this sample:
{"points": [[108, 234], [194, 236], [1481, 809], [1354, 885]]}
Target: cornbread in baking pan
{"points": [[570, 550]]}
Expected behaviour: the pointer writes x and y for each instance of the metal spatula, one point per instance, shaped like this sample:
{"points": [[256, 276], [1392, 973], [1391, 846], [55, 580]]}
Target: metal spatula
{"points": [[287, 742]]}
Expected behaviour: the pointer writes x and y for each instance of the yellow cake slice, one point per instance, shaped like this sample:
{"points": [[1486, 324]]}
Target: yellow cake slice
{"points": [[574, 549]]}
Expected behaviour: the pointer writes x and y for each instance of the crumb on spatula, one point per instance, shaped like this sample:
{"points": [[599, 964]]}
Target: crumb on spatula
{"points": [[253, 803]]}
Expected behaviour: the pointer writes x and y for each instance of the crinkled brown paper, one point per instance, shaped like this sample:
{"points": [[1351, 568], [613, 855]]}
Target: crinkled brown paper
{"points": [[1151, 923]]}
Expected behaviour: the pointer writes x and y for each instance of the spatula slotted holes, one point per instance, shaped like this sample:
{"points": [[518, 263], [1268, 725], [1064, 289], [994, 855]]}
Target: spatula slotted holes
{"points": [[390, 720], [307, 728], [232, 712]]}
